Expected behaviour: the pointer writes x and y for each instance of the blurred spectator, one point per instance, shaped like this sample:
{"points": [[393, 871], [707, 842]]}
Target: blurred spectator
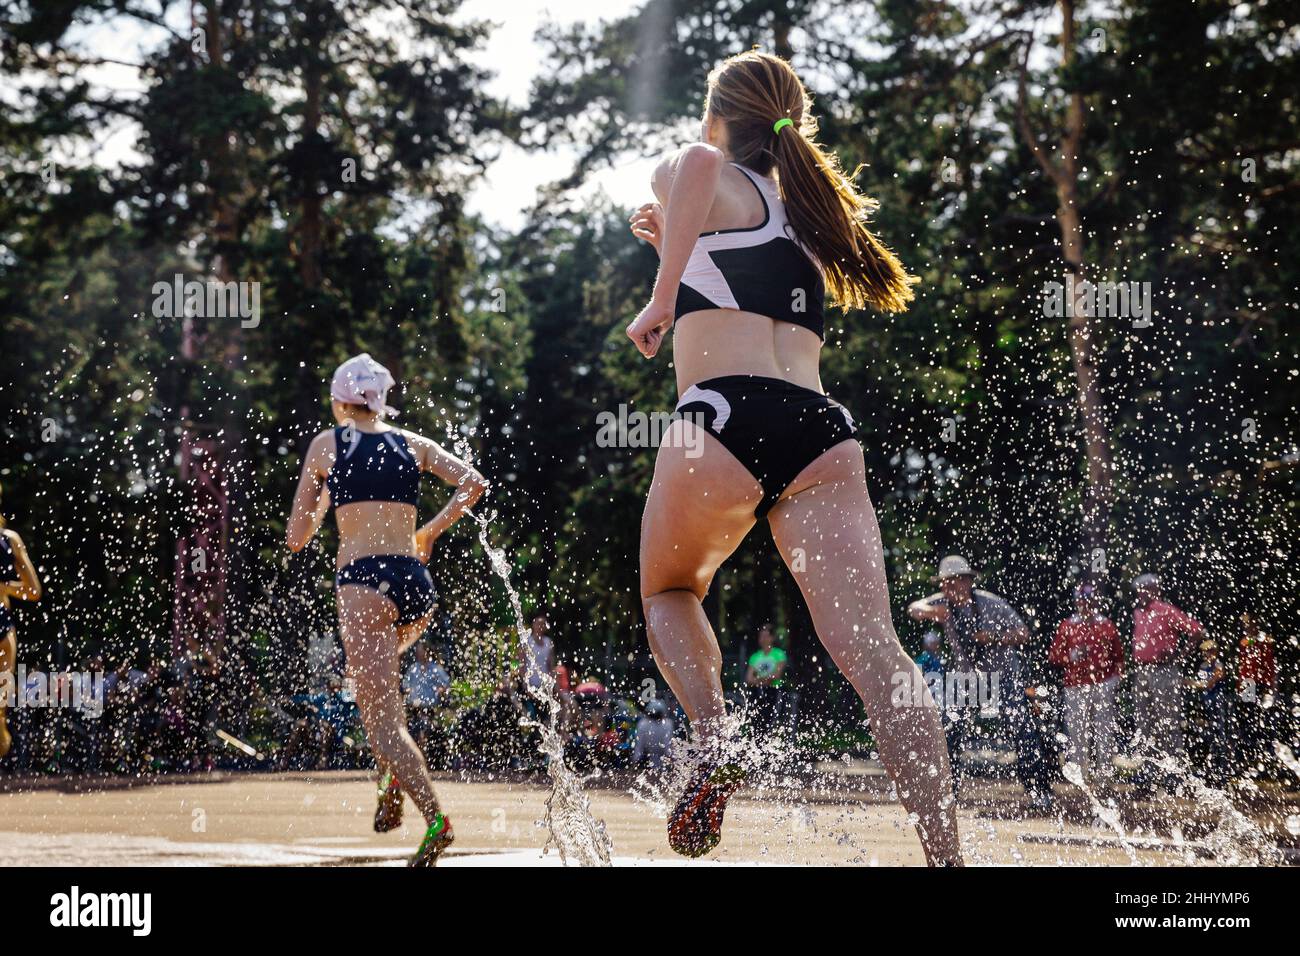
{"points": [[536, 662], [122, 716], [590, 690], [321, 721], [986, 635], [488, 737], [765, 682], [426, 684], [98, 730], [621, 735], [931, 663], [1158, 656], [202, 704], [654, 735], [1256, 686], [324, 658], [172, 729], [580, 750], [238, 695], [537, 652], [562, 685], [598, 741], [1211, 683], [153, 723], [567, 722], [426, 681], [930, 660], [1088, 648]]}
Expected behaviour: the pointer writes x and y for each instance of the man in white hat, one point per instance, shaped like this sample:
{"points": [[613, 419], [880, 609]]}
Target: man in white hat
{"points": [[986, 634]]}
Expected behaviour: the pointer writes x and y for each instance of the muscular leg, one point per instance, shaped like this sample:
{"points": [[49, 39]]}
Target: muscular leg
{"points": [[825, 529], [370, 639], [8, 659], [407, 634], [697, 513]]}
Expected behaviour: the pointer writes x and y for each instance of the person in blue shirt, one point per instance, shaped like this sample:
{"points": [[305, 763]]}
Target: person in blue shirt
{"points": [[930, 659]]}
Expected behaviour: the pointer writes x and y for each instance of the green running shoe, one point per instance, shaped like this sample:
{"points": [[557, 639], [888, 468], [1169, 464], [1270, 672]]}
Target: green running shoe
{"points": [[438, 837]]}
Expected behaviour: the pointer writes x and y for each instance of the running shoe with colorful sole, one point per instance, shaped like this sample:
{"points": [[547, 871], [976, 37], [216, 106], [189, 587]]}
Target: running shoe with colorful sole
{"points": [[695, 825], [438, 837]]}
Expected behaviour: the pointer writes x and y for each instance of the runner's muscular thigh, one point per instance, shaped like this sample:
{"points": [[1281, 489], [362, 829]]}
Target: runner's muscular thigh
{"points": [[698, 511]]}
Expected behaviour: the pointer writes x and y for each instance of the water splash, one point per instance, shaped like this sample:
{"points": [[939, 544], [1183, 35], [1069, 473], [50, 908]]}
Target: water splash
{"points": [[1108, 815], [571, 828], [767, 762], [1287, 757], [1232, 838]]}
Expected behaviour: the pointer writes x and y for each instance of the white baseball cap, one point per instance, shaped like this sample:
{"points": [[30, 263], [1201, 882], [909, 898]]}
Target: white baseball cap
{"points": [[955, 566], [363, 381]]}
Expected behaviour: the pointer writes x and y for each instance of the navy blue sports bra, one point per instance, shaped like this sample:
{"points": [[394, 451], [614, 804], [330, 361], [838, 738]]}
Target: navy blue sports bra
{"points": [[376, 466], [762, 270]]}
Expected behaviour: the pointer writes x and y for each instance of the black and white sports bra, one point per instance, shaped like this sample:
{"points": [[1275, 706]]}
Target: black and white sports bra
{"points": [[762, 269]]}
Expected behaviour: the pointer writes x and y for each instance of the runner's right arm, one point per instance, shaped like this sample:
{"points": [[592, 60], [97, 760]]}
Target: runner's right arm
{"points": [[311, 500], [686, 185], [28, 585]]}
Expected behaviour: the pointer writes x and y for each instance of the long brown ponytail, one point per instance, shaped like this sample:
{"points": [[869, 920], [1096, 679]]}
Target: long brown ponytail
{"points": [[749, 93]]}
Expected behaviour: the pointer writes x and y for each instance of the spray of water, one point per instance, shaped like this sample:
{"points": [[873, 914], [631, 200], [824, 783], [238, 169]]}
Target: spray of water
{"points": [[1233, 838], [764, 762], [571, 828], [1108, 815], [1288, 759]]}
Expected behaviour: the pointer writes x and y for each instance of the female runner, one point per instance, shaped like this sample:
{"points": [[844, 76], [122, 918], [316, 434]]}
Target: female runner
{"points": [[754, 225], [370, 471], [18, 579]]}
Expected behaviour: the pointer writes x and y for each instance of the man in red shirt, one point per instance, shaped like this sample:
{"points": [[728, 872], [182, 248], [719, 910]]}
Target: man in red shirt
{"points": [[1256, 684], [1087, 647], [1161, 637]]}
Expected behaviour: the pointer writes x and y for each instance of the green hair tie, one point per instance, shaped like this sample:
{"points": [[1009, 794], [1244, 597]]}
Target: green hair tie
{"points": [[781, 124]]}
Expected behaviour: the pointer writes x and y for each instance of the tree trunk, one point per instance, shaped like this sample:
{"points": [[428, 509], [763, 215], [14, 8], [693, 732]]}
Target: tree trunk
{"points": [[1082, 328]]}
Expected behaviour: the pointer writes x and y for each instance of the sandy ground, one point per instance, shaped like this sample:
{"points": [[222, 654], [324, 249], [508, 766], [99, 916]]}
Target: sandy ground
{"points": [[324, 819]]}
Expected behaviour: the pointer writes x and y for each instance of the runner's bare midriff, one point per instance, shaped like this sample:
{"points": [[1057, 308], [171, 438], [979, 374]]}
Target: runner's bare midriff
{"points": [[715, 342], [375, 527]]}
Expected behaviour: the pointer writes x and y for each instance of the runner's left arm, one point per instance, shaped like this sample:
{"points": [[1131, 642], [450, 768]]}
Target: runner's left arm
{"points": [[470, 487]]}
